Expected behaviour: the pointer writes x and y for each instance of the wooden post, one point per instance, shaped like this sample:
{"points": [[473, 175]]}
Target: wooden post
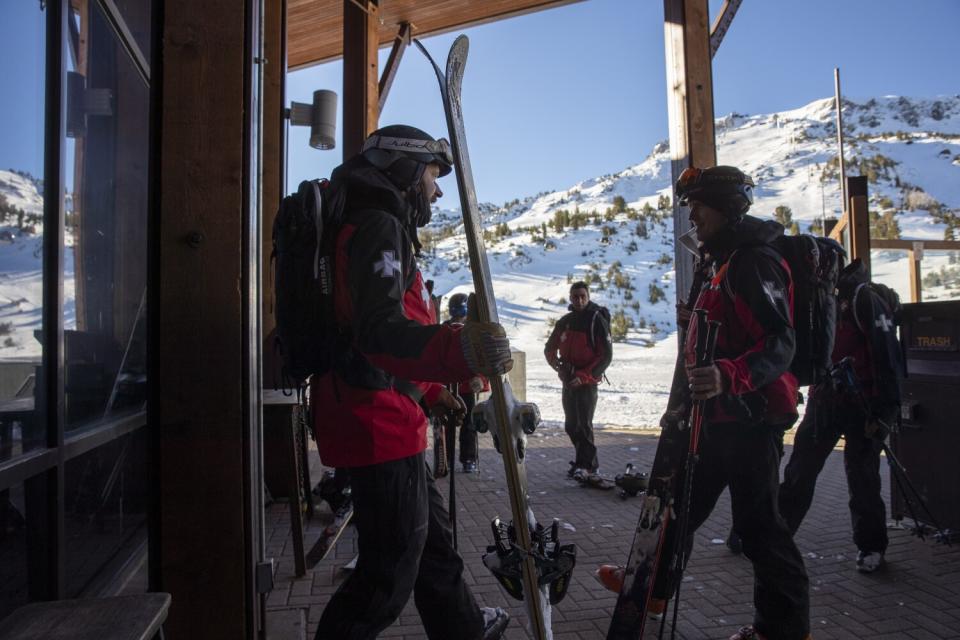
{"points": [[273, 148], [400, 45], [361, 81], [915, 255], [198, 375], [690, 107], [859, 222]]}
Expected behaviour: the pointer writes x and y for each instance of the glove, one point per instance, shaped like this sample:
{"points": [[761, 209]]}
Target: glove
{"points": [[476, 384], [486, 348], [876, 428], [672, 418], [448, 405]]}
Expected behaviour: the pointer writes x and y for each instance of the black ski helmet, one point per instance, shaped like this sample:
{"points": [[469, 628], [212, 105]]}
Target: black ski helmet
{"points": [[724, 188], [457, 305], [403, 152]]}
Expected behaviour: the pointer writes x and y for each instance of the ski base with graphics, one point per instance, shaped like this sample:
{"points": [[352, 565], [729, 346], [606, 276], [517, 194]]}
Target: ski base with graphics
{"points": [[662, 507], [525, 557], [328, 538]]}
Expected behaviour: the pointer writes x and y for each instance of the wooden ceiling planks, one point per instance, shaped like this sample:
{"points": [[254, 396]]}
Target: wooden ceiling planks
{"points": [[315, 27]]}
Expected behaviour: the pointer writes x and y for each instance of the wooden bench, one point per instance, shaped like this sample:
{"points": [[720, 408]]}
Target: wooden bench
{"points": [[136, 617]]}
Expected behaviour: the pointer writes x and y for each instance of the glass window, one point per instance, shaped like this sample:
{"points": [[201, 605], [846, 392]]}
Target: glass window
{"points": [[104, 512], [13, 550], [22, 60], [105, 264], [136, 16]]}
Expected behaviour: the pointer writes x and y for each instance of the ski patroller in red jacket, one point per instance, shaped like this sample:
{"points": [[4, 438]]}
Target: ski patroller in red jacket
{"points": [[751, 294], [581, 340], [866, 332], [366, 411]]}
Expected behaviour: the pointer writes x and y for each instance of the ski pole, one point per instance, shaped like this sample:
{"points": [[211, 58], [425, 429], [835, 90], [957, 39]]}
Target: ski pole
{"points": [[848, 377], [704, 352], [451, 457]]}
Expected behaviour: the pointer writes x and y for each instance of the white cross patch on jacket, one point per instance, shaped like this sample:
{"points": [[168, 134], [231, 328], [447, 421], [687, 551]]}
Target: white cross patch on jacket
{"points": [[883, 323], [770, 288], [388, 265]]}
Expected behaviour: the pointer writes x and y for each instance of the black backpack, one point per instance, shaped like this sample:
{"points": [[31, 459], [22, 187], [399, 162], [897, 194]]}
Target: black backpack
{"points": [[304, 234], [890, 298], [815, 264], [603, 315]]}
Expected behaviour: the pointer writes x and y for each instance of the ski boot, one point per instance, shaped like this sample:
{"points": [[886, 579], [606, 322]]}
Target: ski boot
{"points": [[869, 561], [610, 576], [631, 482], [495, 621], [554, 561], [592, 479], [734, 542], [335, 492], [749, 633]]}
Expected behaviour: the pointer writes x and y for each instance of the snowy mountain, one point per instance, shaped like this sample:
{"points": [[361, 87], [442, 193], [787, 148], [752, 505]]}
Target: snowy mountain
{"points": [[21, 246], [616, 231], [909, 150]]}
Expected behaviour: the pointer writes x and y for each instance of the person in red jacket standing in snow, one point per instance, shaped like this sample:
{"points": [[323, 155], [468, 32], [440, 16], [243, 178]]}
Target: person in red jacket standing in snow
{"points": [[367, 415], [579, 350]]}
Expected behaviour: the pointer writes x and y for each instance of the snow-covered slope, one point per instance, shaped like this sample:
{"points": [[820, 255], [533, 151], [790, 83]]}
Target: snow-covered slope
{"points": [[910, 150], [21, 282]]}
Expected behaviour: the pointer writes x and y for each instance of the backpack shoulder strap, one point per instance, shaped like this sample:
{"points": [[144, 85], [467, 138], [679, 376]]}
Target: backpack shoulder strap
{"points": [[764, 249]]}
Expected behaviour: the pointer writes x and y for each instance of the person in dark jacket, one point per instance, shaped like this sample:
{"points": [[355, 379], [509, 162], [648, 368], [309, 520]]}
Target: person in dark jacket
{"points": [[750, 398], [366, 413], [866, 335], [467, 390], [580, 349]]}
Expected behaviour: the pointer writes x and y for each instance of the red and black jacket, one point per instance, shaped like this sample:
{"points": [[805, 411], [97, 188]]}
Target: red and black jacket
{"points": [[580, 344], [866, 332], [750, 293], [366, 411]]}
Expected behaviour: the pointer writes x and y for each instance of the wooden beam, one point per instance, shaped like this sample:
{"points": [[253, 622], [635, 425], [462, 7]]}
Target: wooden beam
{"points": [[838, 229], [913, 245], [916, 284], [722, 22], [361, 100], [859, 223], [393, 62], [690, 107], [273, 186], [197, 376], [316, 26]]}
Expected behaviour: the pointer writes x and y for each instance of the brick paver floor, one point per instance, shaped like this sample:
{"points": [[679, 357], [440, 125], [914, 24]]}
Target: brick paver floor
{"points": [[916, 596]]}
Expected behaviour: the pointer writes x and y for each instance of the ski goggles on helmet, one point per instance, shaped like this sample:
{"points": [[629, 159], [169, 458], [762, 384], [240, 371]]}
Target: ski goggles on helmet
{"points": [[458, 310], [438, 151], [707, 185]]}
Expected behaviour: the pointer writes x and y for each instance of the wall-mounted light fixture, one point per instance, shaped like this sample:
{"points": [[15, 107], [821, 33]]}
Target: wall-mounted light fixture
{"points": [[321, 117], [83, 102]]}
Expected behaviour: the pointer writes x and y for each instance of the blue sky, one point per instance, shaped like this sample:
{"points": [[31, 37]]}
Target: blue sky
{"points": [[558, 96], [562, 95]]}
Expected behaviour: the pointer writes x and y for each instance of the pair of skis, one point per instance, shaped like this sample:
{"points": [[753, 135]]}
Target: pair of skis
{"points": [[659, 505], [502, 412]]}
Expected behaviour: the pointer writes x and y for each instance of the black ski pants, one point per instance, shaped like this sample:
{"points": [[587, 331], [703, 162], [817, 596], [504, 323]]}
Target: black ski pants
{"points": [[816, 437], [468, 435], [405, 545], [747, 459], [579, 403]]}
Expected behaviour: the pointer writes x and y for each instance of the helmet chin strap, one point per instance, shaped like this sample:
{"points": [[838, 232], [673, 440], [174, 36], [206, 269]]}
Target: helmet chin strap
{"points": [[422, 211]]}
